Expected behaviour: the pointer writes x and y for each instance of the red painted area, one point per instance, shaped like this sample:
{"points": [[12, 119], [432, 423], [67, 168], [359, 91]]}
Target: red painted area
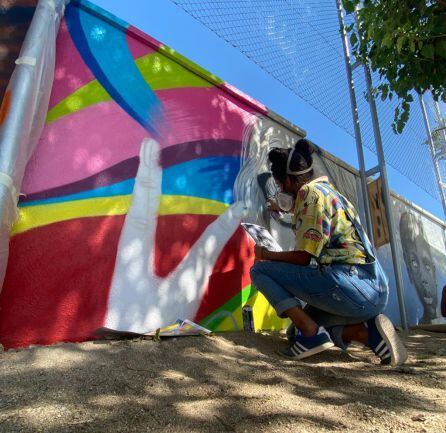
{"points": [[58, 280], [71, 72], [231, 274], [231, 271], [175, 235]]}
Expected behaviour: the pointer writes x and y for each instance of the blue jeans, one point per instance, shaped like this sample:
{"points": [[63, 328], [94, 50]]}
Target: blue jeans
{"points": [[335, 294]]}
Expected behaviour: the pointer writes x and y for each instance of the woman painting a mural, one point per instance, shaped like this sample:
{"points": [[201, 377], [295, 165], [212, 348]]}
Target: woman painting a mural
{"points": [[345, 291]]}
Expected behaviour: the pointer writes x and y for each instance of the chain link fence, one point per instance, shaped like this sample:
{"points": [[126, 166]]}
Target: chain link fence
{"points": [[299, 44]]}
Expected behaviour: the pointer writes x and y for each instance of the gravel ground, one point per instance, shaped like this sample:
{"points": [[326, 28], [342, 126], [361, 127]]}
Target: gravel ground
{"points": [[223, 383]]}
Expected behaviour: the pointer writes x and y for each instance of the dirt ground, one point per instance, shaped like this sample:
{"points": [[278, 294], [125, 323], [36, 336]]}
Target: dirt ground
{"points": [[221, 383]]}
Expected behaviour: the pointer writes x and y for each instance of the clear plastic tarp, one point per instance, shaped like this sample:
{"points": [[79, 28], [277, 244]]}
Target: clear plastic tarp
{"points": [[24, 111]]}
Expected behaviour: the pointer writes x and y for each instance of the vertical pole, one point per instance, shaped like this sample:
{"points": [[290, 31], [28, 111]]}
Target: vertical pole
{"points": [[443, 133], [354, 107], [438, 114], [433, 153], [386, 198]]}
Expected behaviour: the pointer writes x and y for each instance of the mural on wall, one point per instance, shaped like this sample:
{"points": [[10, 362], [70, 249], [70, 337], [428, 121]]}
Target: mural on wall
{"points": [[132, 200], [423, 264], [128, 208], [420, 265]]}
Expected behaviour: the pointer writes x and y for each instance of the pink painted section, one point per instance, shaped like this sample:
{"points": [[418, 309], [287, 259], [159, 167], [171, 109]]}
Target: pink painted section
{"points": [[143, 38], [98, 137], [71, 72], [138, 49], [137, 35], [246, 98]]}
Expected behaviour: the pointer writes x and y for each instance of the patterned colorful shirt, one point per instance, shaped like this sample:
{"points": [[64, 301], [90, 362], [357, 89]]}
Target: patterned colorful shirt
{"points": [[321, 227]]}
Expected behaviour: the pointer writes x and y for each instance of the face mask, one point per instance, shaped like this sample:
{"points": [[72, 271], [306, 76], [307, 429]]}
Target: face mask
{"points": [[285, 201]]}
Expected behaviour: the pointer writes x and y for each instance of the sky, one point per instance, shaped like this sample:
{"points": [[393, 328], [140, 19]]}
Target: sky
{"points": [[170, 25]]}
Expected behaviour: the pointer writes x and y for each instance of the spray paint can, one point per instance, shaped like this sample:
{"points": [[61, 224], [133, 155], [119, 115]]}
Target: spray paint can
{"points": [[248, 319]]}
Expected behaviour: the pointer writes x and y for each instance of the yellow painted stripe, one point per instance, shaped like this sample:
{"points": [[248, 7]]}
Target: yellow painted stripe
{"points": [[158, 71], [41, 215], [179, 204], [264, 315]]}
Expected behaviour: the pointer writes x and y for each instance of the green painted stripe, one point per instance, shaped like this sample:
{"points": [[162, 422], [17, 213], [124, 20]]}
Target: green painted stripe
{"points": [[163, 73], [157, 70], [194, 67], [214, 319]]}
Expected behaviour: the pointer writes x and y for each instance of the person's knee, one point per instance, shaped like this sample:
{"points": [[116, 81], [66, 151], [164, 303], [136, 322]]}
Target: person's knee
{"points": [[254, 271]]}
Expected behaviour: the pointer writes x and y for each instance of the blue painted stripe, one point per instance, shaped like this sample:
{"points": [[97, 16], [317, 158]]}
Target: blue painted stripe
{"points": [[101, 13], [104, 49], [211, 178], [120, 188]]}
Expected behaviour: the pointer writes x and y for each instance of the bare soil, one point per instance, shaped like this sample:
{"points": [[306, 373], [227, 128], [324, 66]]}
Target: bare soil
{"points": [[223, 383]]}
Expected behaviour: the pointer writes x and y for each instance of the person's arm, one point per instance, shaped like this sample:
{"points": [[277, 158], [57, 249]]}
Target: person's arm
{"points": [[296, 257]]}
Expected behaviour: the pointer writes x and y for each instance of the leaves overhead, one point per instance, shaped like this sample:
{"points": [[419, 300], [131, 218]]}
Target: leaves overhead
{"points": [[405, 42]]}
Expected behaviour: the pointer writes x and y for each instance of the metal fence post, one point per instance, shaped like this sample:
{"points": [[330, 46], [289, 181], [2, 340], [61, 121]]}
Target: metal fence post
{"points": [[385, 189], [438, 114], [386, 198], [354, 108], [433, 153]]}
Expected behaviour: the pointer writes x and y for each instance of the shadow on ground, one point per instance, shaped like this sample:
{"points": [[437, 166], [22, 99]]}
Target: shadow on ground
{"points": [[225, 383]]}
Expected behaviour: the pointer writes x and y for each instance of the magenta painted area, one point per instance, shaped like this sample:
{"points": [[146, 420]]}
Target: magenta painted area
{"points": [[143, 38], [126, 169], [247, 99], [71, 72], [122, 171], [96, 138], [81, 145], [137, 48]]}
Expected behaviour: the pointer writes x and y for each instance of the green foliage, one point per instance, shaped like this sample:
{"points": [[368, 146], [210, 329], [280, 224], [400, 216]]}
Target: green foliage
{"points": [[405, 42]]}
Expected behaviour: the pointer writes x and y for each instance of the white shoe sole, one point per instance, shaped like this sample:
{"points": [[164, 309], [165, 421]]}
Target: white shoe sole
{"points": [[398, 353], [310, 352]]}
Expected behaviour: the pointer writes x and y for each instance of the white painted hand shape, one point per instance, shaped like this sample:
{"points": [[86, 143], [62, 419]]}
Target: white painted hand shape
{"points": [[140, 301]]}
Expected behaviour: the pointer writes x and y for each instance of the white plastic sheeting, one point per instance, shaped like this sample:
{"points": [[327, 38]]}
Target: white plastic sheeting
{"points": [[29, 89]]}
